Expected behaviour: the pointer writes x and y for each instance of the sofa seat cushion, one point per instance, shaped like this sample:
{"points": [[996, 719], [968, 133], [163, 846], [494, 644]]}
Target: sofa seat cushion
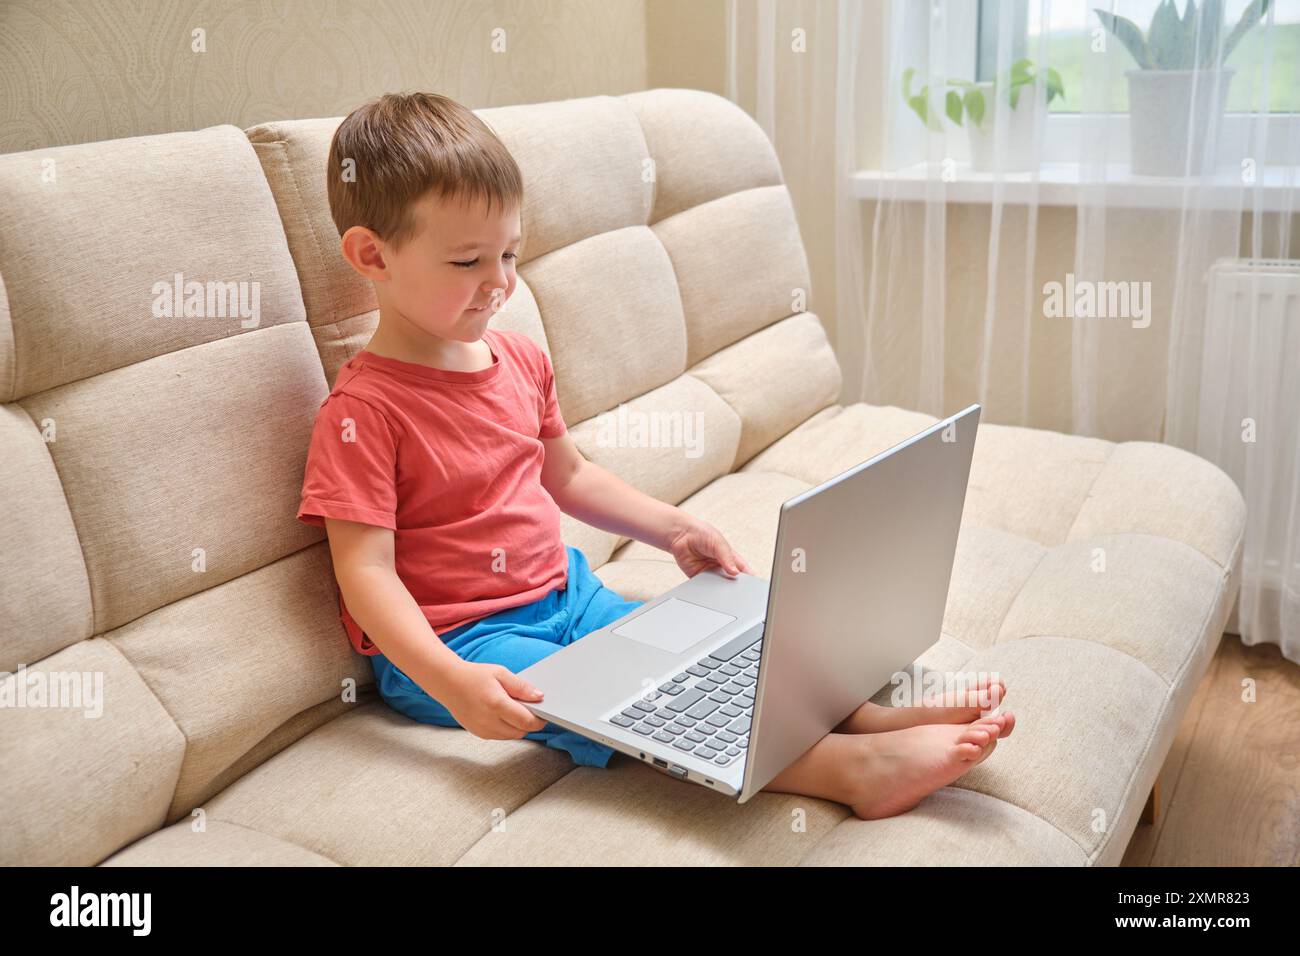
{"points": [[1086, 560], [218, 843], [370, 788], [1041, 485], [743, 505]]}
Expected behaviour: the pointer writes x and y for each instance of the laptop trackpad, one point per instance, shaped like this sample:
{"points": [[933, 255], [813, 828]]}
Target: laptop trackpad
{"points": [[674, 625]]}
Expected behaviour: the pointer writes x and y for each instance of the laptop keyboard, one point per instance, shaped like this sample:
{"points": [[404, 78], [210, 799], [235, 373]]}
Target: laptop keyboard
{"points": [[706, 709]]}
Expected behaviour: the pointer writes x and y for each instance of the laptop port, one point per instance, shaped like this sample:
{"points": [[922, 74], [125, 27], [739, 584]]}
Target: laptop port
{"points": [[661, 763]]}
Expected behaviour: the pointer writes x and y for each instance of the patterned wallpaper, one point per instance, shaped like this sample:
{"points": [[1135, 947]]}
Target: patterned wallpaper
{"points": [[74, 72]]}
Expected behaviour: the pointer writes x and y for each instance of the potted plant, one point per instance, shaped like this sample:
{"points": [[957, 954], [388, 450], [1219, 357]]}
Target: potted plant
{"points": [[976, 106], [1179, 60]]}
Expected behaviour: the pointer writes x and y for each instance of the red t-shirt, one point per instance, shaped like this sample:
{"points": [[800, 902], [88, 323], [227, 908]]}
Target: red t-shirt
{"points": [[451, 462]]}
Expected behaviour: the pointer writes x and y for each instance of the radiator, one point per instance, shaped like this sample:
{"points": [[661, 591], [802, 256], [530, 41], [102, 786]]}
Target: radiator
{"points": [[1248, 423]]}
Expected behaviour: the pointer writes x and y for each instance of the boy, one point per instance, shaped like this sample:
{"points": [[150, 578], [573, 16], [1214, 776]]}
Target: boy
{"points": [[440, 462]]}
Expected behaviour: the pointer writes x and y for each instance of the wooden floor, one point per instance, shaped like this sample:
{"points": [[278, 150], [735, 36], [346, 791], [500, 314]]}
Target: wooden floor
{"points": [[1230, 787]]}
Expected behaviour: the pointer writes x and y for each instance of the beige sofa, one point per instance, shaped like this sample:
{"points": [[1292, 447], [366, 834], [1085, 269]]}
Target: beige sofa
{"points": [[152, 467]]}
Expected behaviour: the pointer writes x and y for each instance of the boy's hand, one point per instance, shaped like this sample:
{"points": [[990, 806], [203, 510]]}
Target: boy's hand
{"points": [[700, 546], [482, 699]]}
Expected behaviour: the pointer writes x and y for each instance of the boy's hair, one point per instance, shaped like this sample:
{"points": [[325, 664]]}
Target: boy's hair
{"points": [[404, 145]]}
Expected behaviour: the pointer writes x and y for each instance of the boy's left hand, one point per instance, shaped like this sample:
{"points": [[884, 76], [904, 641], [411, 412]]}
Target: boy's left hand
{"points": [[700, 546]]}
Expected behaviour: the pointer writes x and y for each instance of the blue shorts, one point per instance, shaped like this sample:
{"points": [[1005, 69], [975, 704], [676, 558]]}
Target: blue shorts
{"points": [[517, 638]]}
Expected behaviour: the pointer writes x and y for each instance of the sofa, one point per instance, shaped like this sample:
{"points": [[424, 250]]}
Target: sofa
{"points": [[188, 695]]}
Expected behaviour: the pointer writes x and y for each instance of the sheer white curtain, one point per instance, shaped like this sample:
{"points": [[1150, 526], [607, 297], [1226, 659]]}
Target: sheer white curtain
{"points": [[1083, 221]]}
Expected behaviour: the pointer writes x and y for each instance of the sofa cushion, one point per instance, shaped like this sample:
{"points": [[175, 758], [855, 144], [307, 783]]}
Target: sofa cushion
{"points": [[774, 378], [1162, 490], [375, 788], [732, 287], [745, 506], [98, 770], [951, 827], [88, 230], [589, 318], [239, 664], [218, 499], [45, 602], [157, 458], [668, 443], [216, 843]]}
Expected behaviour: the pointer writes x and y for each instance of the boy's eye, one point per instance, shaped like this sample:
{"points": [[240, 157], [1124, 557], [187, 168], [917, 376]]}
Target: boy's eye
{"points": [[473, 262]]}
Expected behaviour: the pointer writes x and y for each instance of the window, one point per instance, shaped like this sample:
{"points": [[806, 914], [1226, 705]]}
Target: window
{"points": [[938, 45], [1062, 33]]}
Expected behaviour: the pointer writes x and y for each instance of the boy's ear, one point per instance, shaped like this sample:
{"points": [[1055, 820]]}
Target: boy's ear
{"points": [[364, 251]]}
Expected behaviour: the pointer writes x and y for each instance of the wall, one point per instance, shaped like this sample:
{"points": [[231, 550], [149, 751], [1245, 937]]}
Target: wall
{"points": [[75, 72]]}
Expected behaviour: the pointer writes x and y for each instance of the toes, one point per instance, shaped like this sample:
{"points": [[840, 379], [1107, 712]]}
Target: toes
{"points": [[996, 693], [1005, 722], [982, 695], [992, 693], [976, 752], [993, 698], [995, 689]]}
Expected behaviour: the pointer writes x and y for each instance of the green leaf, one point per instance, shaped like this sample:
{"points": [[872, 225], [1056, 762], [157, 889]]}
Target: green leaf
{"points": [[1127, 32], [1017, 82], [907, 83], [1210, 30], [1055, 87], [920, 104], [1249, 17], [921, 107], [953, 102], [1168, 39], [974, 101]]}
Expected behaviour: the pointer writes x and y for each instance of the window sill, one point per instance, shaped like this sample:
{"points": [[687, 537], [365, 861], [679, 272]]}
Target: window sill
{"points": [[1070, 184]]}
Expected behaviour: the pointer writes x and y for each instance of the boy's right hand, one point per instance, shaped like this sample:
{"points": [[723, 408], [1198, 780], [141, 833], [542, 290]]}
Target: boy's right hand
{"points": [[482, 698]]}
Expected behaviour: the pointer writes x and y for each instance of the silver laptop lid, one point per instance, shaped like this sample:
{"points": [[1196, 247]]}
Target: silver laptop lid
{"points": [[858, 588]]}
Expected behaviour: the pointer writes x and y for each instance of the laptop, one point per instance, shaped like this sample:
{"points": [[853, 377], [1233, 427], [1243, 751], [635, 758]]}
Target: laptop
{"points": [[725, 681]]}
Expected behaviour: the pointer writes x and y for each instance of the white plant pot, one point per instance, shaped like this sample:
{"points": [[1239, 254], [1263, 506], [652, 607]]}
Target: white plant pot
{"points": [[1168, 134], [1023, 141]]}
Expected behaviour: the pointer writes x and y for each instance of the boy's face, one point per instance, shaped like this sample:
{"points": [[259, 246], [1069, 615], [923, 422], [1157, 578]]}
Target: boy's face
{"points": [[456, 270]]}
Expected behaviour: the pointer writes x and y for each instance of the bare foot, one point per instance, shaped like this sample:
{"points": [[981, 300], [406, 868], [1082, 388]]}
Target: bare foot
{"points": [[872, 718], [902, 767]]}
